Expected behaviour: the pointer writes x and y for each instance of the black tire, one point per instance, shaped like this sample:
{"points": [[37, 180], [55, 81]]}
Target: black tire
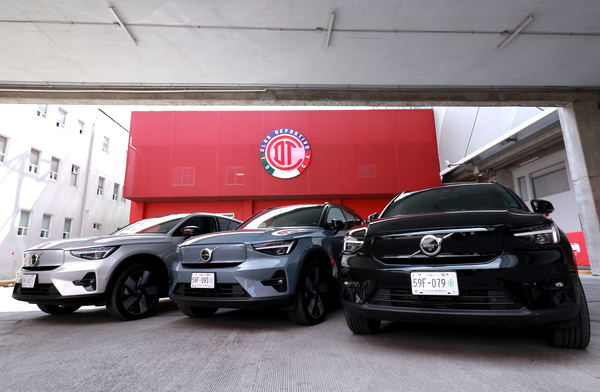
{"points": [[362, 326], [577, 336], [197, 312], [311, 294], [58, 309], [135, 293]]}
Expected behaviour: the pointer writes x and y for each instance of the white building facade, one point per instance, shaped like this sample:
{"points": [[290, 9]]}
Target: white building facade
{"points": [[62, 169]]}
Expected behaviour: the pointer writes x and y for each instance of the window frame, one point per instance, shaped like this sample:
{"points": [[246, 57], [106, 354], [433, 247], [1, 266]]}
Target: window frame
{"points": [[54, 174], [4, 151], [101, 183], [35, 168], [45, 233], [59, 123], [67, 234], [23, 231], [74, 174], [105, 144]]}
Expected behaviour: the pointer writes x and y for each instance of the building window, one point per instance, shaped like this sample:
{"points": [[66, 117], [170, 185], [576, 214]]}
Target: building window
{"points": [[81, 126], [234, 176], [54, 163], [67, 228], [522, 184], [34, 161], [42, 110], [97, 226], [74, 175], [105, 143], [24, 223], [61, 119], [116, 190], [100, 189], [550, 181], [46, 220], [3, 148]]}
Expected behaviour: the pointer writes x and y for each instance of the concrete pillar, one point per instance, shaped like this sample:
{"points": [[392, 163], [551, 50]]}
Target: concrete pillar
{"points": [[580, 122]]}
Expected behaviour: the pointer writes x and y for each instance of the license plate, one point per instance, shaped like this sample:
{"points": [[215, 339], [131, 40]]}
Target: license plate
{"points": [[434, 283], [203, 280], [28, 281]]}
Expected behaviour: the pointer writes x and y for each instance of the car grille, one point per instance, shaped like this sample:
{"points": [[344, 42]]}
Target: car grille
{"points": [[472, 299], [39, 290], [223, 290]]}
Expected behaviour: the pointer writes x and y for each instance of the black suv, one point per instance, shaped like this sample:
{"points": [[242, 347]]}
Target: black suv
{"points": [[468, 254]]}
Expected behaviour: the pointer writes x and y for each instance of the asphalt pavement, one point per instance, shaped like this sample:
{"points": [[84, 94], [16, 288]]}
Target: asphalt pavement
{"points": [[263, 351]]}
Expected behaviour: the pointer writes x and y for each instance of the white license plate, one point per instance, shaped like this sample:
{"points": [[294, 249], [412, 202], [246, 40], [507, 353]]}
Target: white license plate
{"points": [[28, 281], [203, 280], [434, 283]]}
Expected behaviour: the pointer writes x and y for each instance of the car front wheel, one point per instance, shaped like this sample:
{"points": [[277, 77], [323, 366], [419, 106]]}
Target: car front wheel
{"points": [[577, 336], [57, 309], [197, 312], [362, 326], [134, 294], [311, 295]]}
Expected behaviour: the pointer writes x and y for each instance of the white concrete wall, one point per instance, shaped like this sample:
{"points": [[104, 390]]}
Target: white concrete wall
{"points": [[22, 190], [566, 213]]}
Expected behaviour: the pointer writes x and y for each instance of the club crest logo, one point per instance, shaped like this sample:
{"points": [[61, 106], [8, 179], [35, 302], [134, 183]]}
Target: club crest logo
{"points": [[285, 153]]}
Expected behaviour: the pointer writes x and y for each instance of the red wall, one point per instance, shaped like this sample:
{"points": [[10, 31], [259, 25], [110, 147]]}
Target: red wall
{"points": [[186, 161]]}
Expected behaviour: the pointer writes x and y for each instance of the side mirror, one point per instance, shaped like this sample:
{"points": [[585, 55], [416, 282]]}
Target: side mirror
{"points": [[542, 206], [190, 231], [337, 225], [372, 217]]}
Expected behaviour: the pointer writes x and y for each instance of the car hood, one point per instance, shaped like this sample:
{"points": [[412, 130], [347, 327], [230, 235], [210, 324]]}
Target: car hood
{"points": [[250, 236], [455, 219], [109, 240]]}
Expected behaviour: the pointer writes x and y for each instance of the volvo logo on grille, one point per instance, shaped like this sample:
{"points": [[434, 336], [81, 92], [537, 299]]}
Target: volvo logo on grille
{"points": [[430, 245], [31, 260], [206, 254]]}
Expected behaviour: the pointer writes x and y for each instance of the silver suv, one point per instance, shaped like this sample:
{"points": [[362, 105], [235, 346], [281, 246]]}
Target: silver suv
{"points": [[128, 271]]}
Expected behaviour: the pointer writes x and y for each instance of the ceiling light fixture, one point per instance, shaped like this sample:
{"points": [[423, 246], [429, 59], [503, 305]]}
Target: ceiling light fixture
{"points": [[329, 30], [112, 10], [514, 34]]}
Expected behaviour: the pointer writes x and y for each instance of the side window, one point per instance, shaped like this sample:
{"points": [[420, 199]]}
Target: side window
{"points": [[205, 223], [335, 213], [226, 224], [352, 219]]}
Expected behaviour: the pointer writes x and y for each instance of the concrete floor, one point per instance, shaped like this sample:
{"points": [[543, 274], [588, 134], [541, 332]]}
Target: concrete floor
{"points": [[264, 351]]}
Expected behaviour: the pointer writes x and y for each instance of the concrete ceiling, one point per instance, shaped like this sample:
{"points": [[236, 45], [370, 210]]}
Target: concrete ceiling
{"points": [[389, 45]]}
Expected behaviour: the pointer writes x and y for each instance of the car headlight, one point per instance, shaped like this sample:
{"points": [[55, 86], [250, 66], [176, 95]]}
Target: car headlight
{"points": [[540, 235], [278, 248], [354, 239], [95, 253]]}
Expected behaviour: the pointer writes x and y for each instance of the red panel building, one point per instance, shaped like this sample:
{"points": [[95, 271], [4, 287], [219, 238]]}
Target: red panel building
{"points": [[209, 160]]}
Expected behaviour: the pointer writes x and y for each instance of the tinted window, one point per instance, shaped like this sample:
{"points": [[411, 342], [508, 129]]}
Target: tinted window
{"points": [[227, 224], [335, 213], [285, 217], [205, 223], [459, 198], [153, 225], [352, 219]]}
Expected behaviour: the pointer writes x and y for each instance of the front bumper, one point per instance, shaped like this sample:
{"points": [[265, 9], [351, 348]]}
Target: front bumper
{"points": [[75, 282], [513, 290], [253, 284]]}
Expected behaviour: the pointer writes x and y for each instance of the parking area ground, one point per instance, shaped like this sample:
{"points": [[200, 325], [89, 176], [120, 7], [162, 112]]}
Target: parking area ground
{"points": [[264, 351]]}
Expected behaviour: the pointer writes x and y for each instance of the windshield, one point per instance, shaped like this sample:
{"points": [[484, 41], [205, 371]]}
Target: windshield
{"points": [[454, 198], [158, 225], [285, 217]]}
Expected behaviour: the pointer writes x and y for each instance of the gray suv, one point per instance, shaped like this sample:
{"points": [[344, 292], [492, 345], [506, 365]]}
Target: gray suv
{"points": [[128, 271]]}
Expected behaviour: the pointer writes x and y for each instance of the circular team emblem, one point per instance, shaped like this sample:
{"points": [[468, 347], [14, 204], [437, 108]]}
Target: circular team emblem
{"points": [[285, 153]]}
